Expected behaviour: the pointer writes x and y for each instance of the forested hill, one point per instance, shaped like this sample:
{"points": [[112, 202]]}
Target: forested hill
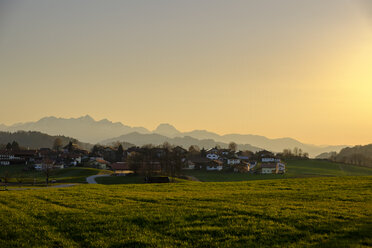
{"points": [[35, 140], [358, 155]]}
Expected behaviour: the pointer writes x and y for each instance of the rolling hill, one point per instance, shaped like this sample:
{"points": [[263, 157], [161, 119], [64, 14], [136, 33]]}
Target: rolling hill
{"points": [[36, 140]]}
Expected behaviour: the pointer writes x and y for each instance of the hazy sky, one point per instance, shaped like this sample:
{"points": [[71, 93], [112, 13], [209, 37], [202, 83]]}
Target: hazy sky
{"points": [[279, 68]]}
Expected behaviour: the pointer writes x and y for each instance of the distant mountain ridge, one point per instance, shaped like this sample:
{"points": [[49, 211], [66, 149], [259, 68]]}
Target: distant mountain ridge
{"points": [[84, 128], [87, 129], [186, 141], [37, 140]]}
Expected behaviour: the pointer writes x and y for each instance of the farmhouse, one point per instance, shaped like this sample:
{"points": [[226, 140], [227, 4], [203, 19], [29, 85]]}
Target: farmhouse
{"points": [[233, 161], [273, 168], [212, 156], [198, 162], [8, 157], [215, 165], [47, 164], [99, 163], [270, 160], [269, 168], [121, 168]]}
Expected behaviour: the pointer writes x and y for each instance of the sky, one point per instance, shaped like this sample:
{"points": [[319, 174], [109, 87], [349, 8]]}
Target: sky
{"points": [[288, 68]]}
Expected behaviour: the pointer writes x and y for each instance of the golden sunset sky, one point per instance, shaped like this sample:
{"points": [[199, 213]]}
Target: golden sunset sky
{"points": [[278, 68]]}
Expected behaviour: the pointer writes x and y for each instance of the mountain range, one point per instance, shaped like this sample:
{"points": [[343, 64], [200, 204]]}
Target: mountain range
{"points": [[37, 140], [86, 129]]}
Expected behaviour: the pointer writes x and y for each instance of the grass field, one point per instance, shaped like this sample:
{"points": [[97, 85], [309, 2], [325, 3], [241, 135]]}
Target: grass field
{"points": [[306, 212], [130, 179], [68, 175], [295, 168]]}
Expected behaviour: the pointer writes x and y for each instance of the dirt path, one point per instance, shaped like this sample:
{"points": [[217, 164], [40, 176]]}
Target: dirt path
{"points": [[92, 179]]}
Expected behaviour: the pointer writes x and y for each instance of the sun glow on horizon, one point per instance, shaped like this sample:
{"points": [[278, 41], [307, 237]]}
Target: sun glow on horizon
{"points": [[299, 69]]}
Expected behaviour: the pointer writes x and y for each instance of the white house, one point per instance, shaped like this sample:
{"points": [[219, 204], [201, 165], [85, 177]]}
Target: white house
{"points": [[40, 167], [273, 168], [233, 161], [4, 162], [212, 156], [268, 168], [270, 160]]}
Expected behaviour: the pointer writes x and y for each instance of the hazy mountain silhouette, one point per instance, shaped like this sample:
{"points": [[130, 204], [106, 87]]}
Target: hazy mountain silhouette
{"points": [[276, 145], [167, 130], [87, 129], [84, 128], [186, 141]]}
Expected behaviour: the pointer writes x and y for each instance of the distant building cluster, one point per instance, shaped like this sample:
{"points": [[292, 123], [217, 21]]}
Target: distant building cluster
{"points": [[146, 160]]}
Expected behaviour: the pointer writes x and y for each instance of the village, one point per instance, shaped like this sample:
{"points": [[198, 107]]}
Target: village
{"points": [[148, 160]]}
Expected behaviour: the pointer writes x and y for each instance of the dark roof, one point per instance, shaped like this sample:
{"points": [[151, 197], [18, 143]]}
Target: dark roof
{"points": [[120, 166], [199, 159]]}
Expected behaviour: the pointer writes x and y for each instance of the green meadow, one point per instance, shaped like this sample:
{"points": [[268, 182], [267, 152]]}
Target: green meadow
{"points": [[301, 212], [16, 174], [294, 168]]}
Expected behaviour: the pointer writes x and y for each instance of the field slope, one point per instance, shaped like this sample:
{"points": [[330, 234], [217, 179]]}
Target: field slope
{"points": [[295, 168], [306, 212], [68, 175]]}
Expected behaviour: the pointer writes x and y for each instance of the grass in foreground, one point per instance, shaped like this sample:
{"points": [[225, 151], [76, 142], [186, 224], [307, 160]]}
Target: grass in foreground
{"points": [[307, 212], [129, 179]]}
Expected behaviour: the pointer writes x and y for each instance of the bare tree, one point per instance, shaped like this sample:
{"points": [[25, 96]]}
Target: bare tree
{"points": [[233, 146], [295, 151], [57, 144], [194, 149]]}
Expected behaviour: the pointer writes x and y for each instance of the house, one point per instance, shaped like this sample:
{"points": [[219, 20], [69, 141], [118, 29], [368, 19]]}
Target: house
{"points": [[99, 163], [242, 168], [212, 156], [241, 157], [233, 161], [189, 166], [224, 152], [180, 150], [8, 157], [58, 166], [121, 168], [215, 165], [269, 168], [47, 164], [270, 160], [273, 168], [4, 162], [213, 150], [198, 162]]}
